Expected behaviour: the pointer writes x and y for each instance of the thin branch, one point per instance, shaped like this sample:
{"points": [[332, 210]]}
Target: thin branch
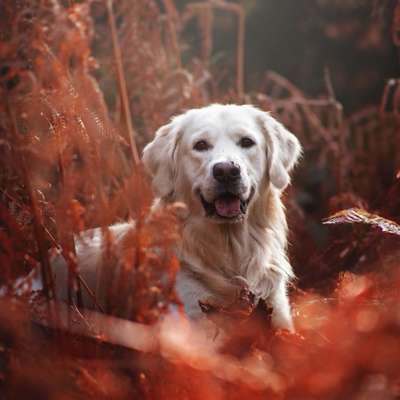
{"points": [[47, 277], [122, 81]]}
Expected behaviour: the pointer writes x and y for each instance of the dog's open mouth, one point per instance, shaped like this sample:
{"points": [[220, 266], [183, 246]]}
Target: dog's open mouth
{"points": [[227, 206]]}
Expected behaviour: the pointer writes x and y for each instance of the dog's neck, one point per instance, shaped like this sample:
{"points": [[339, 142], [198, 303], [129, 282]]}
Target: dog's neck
{"points": [[225, 246]]}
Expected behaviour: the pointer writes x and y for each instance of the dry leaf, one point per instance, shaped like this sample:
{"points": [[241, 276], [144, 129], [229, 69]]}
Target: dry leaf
{"points": [[358, 215]]}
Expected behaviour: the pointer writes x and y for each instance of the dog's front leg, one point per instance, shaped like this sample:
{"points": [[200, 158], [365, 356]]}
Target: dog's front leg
{"points": [[278, 300]]}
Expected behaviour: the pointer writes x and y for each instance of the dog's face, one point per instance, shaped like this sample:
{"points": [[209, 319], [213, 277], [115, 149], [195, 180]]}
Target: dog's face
{"points": [[219, 158]]}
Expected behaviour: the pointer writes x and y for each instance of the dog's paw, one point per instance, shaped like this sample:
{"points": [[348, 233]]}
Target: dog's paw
{"points": [[244, 296], [240, 305]]}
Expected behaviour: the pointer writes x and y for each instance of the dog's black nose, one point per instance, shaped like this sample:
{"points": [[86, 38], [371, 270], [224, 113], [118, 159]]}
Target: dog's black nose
{"points": [[226, 172]]}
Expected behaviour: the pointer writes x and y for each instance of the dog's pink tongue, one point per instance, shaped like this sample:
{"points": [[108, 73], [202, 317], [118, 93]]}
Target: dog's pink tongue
{"points": [[227, 206]]}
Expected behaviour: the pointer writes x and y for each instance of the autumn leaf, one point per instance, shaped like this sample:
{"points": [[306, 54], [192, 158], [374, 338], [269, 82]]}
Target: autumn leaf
{"points": [[358, 215]]}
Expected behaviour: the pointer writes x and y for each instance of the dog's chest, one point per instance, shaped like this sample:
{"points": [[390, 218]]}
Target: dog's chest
{"points": [[229, 253]]}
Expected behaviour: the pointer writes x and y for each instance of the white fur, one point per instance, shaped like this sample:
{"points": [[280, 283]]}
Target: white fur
{"points": [[215, 253]]}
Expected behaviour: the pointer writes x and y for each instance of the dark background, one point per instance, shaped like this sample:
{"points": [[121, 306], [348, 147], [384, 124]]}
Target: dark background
{"points": [[299, 39]]}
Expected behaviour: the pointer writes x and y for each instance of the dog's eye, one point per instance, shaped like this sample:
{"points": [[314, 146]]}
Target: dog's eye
{"points": [[246, 142], [201, 145]]}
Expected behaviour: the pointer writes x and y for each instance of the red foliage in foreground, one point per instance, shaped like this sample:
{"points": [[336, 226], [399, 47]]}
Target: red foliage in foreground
{"points": [[68, 164]]}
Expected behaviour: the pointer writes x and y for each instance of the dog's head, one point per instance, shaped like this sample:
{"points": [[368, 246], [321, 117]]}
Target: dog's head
{"points": [[219, 158]]}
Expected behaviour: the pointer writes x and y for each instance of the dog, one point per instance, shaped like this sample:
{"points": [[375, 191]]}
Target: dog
{"points": [[229, 165]]}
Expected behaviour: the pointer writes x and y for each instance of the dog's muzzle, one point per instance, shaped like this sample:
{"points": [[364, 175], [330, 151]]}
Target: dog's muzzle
{"points": [[227, 206]]}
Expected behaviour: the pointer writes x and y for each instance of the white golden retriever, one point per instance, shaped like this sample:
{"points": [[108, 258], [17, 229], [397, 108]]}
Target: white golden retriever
{"points": [[229, 164]]}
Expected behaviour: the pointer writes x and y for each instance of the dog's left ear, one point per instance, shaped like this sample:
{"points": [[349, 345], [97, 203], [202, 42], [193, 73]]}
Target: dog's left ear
{"points": [[284, 150], [159, 159]]}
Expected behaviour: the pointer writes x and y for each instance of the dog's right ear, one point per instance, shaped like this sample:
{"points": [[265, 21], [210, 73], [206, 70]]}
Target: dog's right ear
{"points": [[159, 159]]}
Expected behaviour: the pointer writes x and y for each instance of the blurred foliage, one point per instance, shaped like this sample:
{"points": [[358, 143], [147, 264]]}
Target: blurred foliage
{"points": [[302, 38]]}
